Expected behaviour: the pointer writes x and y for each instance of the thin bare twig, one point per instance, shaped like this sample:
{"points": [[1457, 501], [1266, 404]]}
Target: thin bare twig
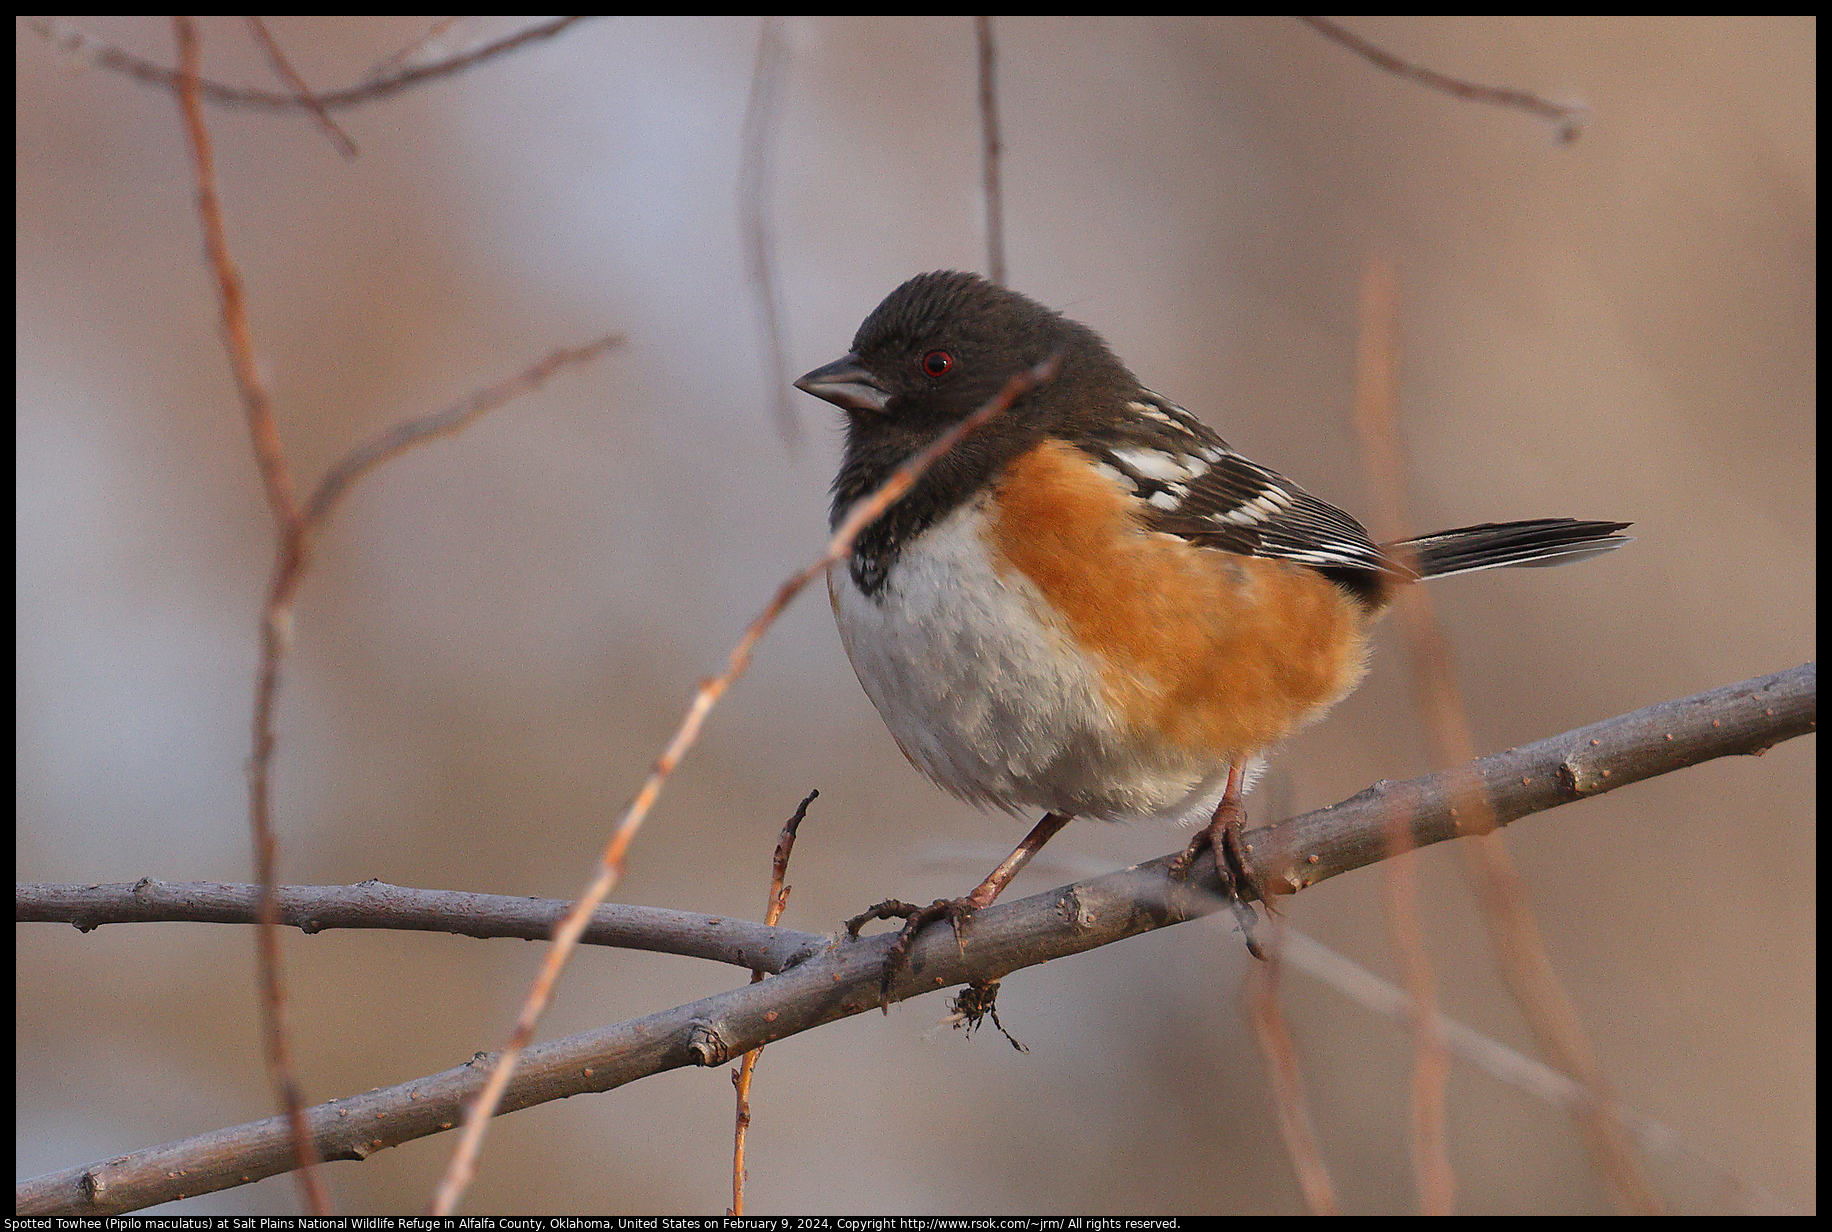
{"points": [[455, 418], [756, 165], [293, 526], [1506, 909], [741, 1079], [989, 151], [285, 71], [1376, 403], [277, 479], [1516, 1069], [1431, 1168], [73, 41], [463, 1163], [838, 979], [1567, 121], [1521, 952], [1280, 1053], [393, 63], [257, 403]]}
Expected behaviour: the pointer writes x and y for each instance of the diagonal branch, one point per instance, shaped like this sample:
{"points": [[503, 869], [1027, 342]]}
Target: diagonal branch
{"points": [[283, 68], [1518, 1070], [610, 864], [447, 422], [842, 978]]}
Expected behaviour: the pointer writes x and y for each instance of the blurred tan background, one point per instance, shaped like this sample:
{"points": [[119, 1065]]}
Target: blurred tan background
{"points": [[501, 629]]}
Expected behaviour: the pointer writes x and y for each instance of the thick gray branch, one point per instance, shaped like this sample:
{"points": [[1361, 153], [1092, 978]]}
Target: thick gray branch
{"points": [[1749, 718], [841, 979]]}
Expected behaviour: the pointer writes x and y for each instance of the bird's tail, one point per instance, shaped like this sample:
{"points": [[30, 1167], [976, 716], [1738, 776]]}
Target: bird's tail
{"points": [[1494, 545]]}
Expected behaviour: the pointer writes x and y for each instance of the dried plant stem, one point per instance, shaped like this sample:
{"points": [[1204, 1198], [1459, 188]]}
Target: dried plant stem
{"points": [[741, 1079]]}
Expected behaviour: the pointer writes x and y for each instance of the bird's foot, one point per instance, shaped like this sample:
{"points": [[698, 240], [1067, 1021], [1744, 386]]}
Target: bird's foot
{"points": [[1223, 839], [954, 910]]}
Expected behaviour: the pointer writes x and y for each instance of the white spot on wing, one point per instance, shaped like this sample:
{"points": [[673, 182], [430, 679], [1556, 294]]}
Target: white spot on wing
{"points": [[1266, 506], [1149, 411], [1153, 464]]}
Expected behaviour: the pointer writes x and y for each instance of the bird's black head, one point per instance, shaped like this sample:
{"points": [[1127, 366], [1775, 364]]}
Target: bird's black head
{"points": [[938, 348]]}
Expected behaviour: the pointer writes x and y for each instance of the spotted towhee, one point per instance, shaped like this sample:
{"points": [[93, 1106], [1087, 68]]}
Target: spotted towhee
{"points": [[1092, 605]]}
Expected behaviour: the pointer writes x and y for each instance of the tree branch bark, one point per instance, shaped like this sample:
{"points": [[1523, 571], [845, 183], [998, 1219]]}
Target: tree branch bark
{"points": [[818, 984]]}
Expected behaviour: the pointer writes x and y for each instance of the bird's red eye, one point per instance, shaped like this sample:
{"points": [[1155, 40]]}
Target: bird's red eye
{"points": [[937, 363]]}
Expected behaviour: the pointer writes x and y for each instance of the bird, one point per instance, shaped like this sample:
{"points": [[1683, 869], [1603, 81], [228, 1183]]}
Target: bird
{"points": [[1093, 605]]}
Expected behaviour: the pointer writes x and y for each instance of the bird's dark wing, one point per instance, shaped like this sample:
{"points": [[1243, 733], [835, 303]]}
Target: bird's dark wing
{"points": [[1196, 486]]}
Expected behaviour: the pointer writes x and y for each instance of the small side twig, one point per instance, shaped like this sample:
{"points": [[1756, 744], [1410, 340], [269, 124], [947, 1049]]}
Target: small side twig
{"points": [[284, 70], [989, 151], [1567, 121], [463, 1163], [394, 61], [446, 422], [741, 1078]]}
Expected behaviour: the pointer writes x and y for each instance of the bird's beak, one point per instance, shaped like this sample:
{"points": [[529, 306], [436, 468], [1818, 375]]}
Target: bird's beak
{"points": [[848, 384]]}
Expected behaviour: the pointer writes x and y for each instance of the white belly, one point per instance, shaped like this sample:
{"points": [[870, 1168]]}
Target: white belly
{"points": [[980, 686]]}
